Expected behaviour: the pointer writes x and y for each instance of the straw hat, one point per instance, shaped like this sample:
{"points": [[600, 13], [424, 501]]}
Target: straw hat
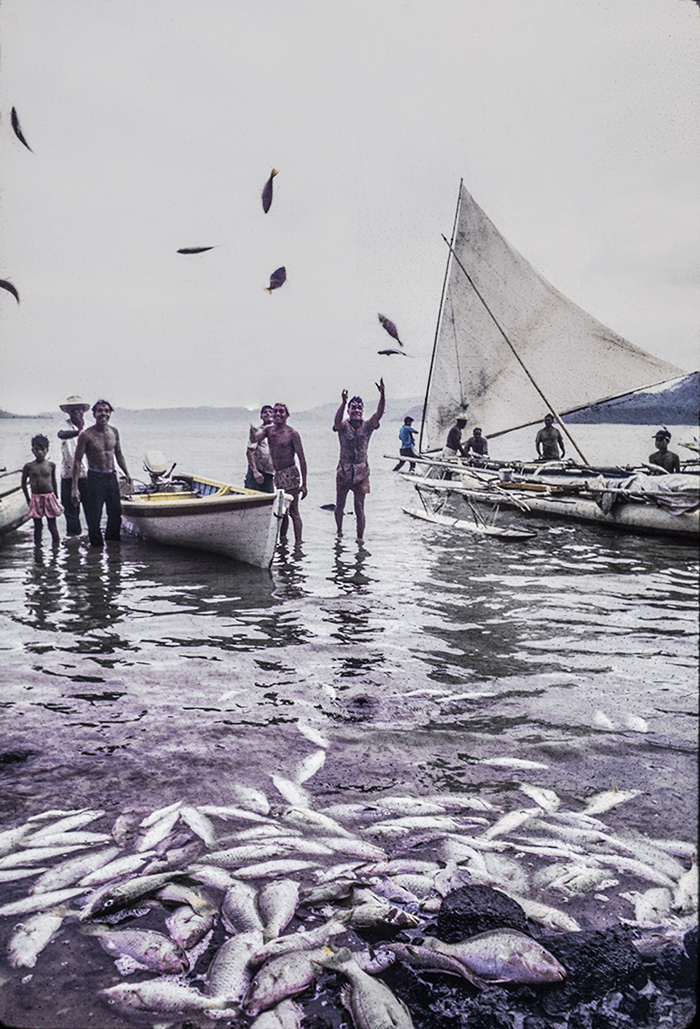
{"points": [[74, 402]]}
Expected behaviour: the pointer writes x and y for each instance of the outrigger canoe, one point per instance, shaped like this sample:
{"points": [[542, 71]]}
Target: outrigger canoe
{"points": [[202, 514], [14, 509]]}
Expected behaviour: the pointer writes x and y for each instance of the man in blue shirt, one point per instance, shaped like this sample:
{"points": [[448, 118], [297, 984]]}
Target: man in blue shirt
{"points": [[406, 434]]}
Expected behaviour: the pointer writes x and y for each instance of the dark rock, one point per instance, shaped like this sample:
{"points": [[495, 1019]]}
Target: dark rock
{"points": [[596, 962], [607, 1014], [674, 969], [469, 910], [690, 942]]}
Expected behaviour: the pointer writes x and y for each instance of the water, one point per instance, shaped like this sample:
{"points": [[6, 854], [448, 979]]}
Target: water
{"points": [[141, 675]]}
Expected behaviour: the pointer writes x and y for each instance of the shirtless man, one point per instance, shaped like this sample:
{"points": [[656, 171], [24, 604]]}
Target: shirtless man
{"points": [[285, 446], [100, 445], [662, 456], [353, 470], [549, 441]]}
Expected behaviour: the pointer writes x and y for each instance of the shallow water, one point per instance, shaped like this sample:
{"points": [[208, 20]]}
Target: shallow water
{"points": [[141, 675]]}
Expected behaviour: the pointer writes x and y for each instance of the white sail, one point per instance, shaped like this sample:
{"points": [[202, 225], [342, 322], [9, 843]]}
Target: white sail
{"points": [[500, 320]]}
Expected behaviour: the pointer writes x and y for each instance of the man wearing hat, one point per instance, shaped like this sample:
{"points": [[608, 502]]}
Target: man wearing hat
{"points": [[662, 456], [406, 434], [75, 408]]}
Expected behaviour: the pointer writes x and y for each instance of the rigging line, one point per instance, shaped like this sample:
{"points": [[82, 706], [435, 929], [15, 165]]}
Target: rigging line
{"points": [[437, 327], [516, 355]]}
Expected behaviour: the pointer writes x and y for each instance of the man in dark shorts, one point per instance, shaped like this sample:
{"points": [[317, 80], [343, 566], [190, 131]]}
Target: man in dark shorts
{"points": [[353, 470], [260, 473], [101, 446], [285, 449], [548, 441], [662, 456], [453, 445]]}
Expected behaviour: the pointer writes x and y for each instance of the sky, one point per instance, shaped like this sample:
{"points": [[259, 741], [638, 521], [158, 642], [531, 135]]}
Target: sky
{"points": [[154, 124]]}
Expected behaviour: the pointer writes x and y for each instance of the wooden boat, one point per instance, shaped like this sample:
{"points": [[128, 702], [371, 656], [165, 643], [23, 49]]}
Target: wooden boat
{"points": [[202, 514], [14, 509], [503, 334]]}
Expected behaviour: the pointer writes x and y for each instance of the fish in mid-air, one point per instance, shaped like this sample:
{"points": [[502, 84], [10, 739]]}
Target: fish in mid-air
{"points": [[194, 250], [277, 279], [10, 288], [267, 192], [17, 129], [390, 352], [390, 328]]}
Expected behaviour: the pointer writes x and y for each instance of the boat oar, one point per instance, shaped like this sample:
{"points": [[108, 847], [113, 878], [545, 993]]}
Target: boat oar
{"points": [[516, 355]]}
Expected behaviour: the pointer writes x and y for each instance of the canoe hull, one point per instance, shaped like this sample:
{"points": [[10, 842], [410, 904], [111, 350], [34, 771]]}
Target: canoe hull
{"points": [[14, 510], [238, 523]]}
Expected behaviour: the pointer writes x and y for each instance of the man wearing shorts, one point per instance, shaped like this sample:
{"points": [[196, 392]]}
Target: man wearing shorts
{"points": [[285, 449], [353, 470]]}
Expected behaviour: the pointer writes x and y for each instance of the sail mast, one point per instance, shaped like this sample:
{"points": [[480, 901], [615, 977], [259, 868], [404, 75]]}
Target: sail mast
{"points": [[439, 320], [515, 353]]}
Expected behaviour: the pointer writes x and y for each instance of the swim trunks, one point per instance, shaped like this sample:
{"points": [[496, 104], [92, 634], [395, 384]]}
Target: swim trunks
{"points": [[288, 478], [345, 478], [44, 505]]}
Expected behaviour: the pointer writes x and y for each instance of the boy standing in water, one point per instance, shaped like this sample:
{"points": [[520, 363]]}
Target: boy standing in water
{"points": [[40, 474]]}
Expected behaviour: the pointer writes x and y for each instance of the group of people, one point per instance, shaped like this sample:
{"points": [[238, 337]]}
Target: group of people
{"points": [[88, 475], [275, 460]]}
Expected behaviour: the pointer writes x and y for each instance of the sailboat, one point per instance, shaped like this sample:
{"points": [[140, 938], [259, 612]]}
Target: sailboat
{"points": [[508, 347]]}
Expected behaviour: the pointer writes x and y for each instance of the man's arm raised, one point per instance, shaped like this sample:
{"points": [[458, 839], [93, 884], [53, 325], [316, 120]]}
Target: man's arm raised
{"points": [[338, 420]]}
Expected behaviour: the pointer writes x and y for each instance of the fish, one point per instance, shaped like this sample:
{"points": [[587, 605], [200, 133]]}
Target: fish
{"points": [[309, 766], [355, 848], [267, 868], [277, 279], [550, 918], [229, 976], [582, 879], [277, 902], [210, 875], [285, 1015], [73, 870], [233, 812], [503, 955], [194, 250], [511, 762], [111, 897], [239, 910], [156, 816], [390, 328], [644, 849], [162, 995], [507, 823], [279, 978], [180, 894], [68, 823], [312, 734], [233, 856], [39, 901], [11, 875], [65, 839], [305, 818], [685, 896], [14, 118], [198, 823], [157, 831], [638, 868], [31, 936], [120, 866], [187, 927], [151, 949], [609, 798], [10, 837], [546, 799], [651, 908], [370, 1002], [411, 806], [305, 939], [427, 957], [291, 791], [267, 192]]}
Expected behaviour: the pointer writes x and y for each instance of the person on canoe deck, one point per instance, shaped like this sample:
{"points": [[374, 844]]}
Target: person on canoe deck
{"points": [[662, 456], [75, 408], [101, 446], [40, 476], [453, 445], [353, 469], [478, 443], [406, 434], [261, 471], [548, 441], [285, 449]]}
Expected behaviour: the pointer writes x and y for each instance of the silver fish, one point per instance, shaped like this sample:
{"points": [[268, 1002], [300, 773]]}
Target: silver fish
{"points": [[157, 831], [285, 1015], [239, 910], [111, 897], [291, 791], [546, 799], [241, 813], [229, 975], [507, 823], [428, 957], [549, 917], [308, 819], [503, 955], [354, 848], [11, 875], [151, 949], [411, 806], [31, 936], [234, 856], [73, 870], [32, 854], [685, 897], [162, 995], [280, 978], [511, 762], [198, 823], [180, 894], [187, 927], [211, 875], [39, 902], [277, 902], [70, 822], [370, 1002], [264, 869], [609, 798], [651, 908], [10, 837], [312, 734], [638, 868], [308, 939], [157, 816], [309, 766], [120, 866]]}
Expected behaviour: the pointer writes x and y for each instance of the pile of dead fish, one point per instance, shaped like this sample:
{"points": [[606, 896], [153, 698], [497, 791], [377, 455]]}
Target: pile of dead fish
{"points": [[254, 901]]}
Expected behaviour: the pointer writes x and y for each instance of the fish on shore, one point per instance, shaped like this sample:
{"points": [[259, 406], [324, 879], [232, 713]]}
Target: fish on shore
{"points": [[504, 956], [370, 1002]]}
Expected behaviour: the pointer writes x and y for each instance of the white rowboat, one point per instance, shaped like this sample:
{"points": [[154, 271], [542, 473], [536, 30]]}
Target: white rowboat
{"points": [[203, 514], [14, 509]]}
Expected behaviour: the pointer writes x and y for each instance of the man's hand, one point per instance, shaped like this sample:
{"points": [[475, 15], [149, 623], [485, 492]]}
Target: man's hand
{"points": [[380, 386], [303, 493], [344, 396], [259, 477]]}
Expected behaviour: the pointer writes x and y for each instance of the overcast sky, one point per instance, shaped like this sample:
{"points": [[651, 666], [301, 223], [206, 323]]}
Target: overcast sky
{"points": [[155, 123]]}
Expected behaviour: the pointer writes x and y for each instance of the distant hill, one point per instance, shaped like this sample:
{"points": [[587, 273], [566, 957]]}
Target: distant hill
{"points": [[674, 404]]}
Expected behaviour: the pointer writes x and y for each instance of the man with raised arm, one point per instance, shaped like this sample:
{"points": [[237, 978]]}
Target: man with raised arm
{"points": [[285, 449], [353, 470], [101, 446]]}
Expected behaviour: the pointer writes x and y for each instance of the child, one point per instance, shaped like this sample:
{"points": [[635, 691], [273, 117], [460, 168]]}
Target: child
{"points": [[41, 476]]}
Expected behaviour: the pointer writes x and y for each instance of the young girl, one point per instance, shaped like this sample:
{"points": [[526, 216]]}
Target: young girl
{"points": [[41, 476]]}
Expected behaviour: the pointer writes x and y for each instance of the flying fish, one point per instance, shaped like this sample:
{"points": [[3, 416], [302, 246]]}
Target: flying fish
{"points": [[390, 352], [267, 192], [17, 129], [277, 279], [10, 288], [390, 328], [194, 250]]}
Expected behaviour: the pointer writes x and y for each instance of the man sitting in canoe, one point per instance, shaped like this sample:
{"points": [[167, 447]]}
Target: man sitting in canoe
{"points": [[478, 443], [662, 456], [285, 447], [548, 441]]}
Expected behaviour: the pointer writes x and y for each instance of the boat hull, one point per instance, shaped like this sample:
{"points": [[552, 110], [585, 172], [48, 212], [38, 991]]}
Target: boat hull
{"points": [[14, 509], [238, 523]]}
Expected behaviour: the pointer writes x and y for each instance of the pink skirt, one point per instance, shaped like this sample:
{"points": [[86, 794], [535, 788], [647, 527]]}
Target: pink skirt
{"points": [[44, 505]]}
